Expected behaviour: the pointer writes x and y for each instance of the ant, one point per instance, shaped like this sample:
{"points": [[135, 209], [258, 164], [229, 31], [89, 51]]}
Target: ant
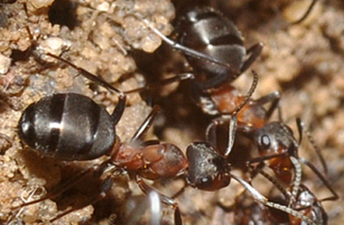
{"points": [[213, 45], [217, 57], [278, 147], [72, 127]]}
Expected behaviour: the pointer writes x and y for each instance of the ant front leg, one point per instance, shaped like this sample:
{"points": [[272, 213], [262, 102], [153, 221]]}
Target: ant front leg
{"points": [[260, 199], [147, 123], [105, 187], [211, 132], [147, 189], [161, 83], [323, 179], [96, 170], [118, 111], [136, 208]]}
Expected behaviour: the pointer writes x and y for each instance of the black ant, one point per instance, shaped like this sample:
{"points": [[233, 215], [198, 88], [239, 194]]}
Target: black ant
{"points": [[71, 126], [213, 45], [217, 56]]}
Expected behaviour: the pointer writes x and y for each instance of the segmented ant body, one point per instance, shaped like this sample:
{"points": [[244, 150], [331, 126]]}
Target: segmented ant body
{"points": [[71, 126]]}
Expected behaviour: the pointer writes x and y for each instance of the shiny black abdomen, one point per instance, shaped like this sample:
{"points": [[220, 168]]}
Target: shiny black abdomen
{"points": [[209, 32], [67, 127]]}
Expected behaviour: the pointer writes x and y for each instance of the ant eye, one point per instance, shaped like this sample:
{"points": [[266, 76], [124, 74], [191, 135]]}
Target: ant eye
{"points": [[206, 180], [265, 141]]}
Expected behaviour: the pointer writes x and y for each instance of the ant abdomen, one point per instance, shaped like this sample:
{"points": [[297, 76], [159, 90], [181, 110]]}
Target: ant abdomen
{"points": [[67, 127], [225, 44]]}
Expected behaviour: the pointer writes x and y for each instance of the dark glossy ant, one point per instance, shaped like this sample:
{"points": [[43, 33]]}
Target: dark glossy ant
{"points": [[217, 55], [71, 126]]}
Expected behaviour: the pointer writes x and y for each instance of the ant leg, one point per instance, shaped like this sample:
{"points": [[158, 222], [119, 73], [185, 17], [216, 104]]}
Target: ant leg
{"points": [[264, 158], [232, 129], [274, 98], [118, 111], [210, 132], [184, 49], [177, 217], [146, 189], [155, 208], [311, 6], [177, 78], [264, 201], [255, 51], [88, 75], [153, 203], [277, 184], [104, 188], [57, 191], [322, 178], [147, 123], [301, 128]]}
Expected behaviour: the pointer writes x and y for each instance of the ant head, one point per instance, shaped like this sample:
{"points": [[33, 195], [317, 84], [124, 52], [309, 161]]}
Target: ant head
{"points": [[274, 136], [207, 169]]}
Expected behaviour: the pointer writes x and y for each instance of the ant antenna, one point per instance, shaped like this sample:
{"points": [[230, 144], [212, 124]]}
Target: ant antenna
{"points": [[89, 75], [249, 93], [231, 117], [263, 200], [146, 123], [301, 128]]}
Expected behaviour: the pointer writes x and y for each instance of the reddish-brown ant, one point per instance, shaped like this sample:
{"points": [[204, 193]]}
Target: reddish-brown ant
{"points": [[277, 145]]}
